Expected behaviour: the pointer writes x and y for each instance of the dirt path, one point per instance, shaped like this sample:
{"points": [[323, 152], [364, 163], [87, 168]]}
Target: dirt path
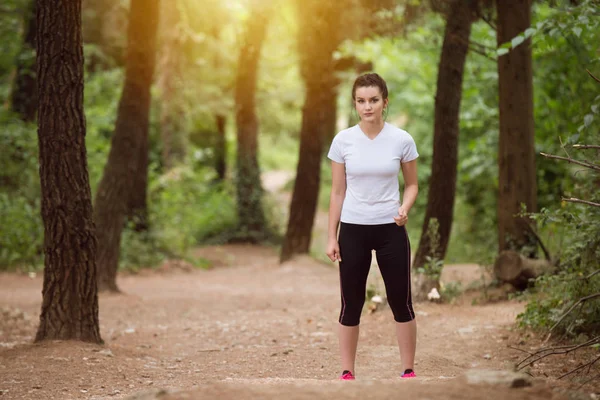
{"points": [[247, 328]]}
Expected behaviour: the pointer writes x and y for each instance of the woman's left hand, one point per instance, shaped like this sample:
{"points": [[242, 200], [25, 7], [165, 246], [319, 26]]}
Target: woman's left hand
{"points": [[402, 217]]}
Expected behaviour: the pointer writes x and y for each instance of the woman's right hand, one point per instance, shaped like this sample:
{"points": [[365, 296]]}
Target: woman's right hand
{"points": [[333, 250]]}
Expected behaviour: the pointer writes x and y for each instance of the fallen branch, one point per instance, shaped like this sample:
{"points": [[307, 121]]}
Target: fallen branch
{"points": [[518, 349], [586, 146], [590, 364], [580, 301], [574, 200], [582, 163], [539, 355]]}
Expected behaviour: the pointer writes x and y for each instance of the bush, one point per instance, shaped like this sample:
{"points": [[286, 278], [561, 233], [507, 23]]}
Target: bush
{"points": [[21, 232], [187, 208], [21, 228], [554, 295]]}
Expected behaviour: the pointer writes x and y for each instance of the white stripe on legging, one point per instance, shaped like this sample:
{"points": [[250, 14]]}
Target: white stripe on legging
{"points": [[408, 270], [342, 293]]}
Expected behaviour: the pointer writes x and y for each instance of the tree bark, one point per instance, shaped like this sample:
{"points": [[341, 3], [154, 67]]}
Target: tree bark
{"points": [[248, 184], [24, 90], [137, 208], [516, 152], [318, 36], [442, 183], [129, 141], [70, 298]]}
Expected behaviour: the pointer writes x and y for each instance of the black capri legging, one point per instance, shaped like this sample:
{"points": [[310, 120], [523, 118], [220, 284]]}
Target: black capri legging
{"points": [[392, 249]]}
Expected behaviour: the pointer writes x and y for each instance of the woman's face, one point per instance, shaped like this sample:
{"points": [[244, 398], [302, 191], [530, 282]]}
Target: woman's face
{"points": [[369, 103]]}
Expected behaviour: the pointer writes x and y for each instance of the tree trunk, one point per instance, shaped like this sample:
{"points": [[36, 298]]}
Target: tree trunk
{"points": [[137, 208], [24, 90], [221, 148], [442, 183], [513, 268], [170, 86], [319, 37], [128, 142], [69, 294], [249, 188], [516, 162]]}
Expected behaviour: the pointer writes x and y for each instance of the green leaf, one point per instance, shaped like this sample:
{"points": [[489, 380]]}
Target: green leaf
{"points": [[501, 51], [587, 120], [574, 138], [529, 32], [517, 41], [577, 31]]}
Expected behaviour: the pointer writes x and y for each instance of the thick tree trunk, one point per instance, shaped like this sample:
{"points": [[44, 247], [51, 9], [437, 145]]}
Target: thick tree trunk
{"points": [[24, 90], [319, 37], [137, 209], [442, 183], [517, 179], [70, 297], [308, 175], [221, 148], [249, 188], [128, 142], [170, 84]]}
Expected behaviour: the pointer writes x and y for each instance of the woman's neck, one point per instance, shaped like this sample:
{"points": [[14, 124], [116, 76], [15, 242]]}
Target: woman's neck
{"points": [[371, 129]]}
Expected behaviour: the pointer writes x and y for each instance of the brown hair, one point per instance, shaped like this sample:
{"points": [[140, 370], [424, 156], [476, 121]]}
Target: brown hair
{"points": [[368, 80]]}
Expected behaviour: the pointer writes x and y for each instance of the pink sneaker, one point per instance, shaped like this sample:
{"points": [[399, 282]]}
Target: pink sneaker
{"points": [[409, 373], [347, 376]]}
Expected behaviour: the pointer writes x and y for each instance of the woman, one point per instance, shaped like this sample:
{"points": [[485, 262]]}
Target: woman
{"points": [[365, 202]]}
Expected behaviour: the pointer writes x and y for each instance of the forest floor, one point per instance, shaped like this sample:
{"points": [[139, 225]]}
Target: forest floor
{"points": [[251, 328]]}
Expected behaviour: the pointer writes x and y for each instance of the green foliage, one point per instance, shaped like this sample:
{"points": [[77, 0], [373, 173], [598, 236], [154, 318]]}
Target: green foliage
{"points": [[186, 208], [565, 21], [21, 229], [21, 232], [570, 231], [140, 250], [450, 292], [578, 249], [12, 14]]}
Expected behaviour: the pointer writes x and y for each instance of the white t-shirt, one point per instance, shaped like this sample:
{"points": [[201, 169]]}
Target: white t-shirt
{"points": [[372, 168]]}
